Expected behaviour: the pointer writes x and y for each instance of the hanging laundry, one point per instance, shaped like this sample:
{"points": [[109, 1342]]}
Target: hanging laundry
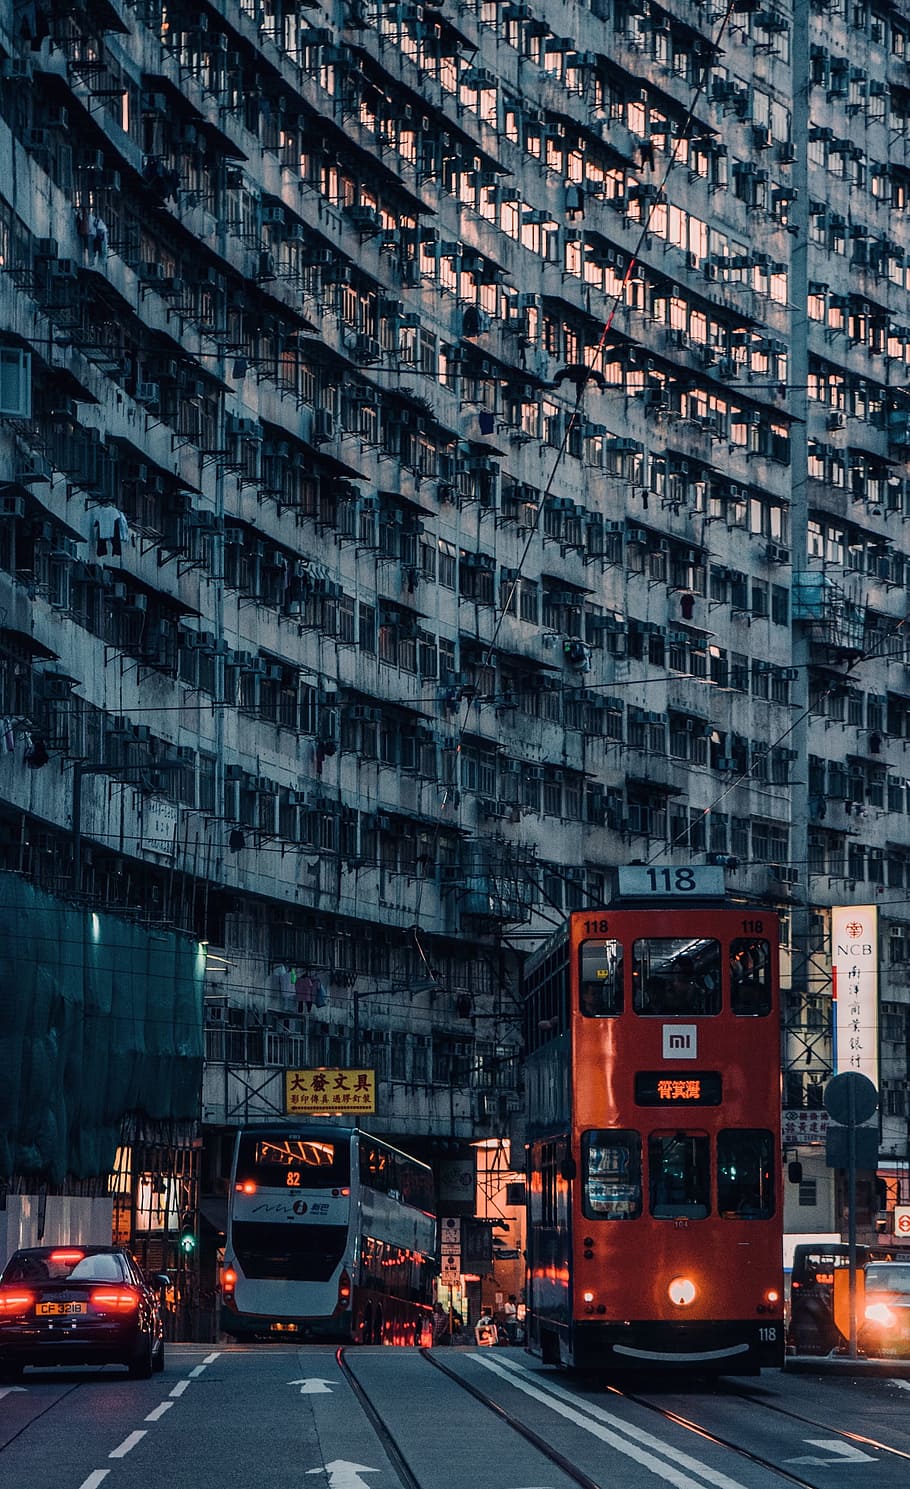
{"points": [[35, 752], [99, 237], [111, 527]]}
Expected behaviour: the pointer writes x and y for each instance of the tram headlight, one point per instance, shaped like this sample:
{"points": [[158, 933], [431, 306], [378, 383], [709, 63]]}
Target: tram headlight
{"points": [[772, 1296], [682, 1291]]}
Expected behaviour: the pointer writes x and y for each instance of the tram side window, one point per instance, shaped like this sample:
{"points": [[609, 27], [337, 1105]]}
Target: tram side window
{"points": [[600, 978], [750, 976], [745, 1174], [611, 1176], [679, 1175], [676, 976]]}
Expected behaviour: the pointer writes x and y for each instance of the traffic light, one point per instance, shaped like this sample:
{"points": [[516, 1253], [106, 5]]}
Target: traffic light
{"points": [[188, 1235]]}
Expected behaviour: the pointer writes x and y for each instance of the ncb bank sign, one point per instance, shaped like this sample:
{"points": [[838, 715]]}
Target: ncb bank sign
{"points": [[854, 981]]}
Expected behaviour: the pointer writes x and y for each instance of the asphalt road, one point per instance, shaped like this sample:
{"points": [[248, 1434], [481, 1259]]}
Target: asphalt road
{"points": [[260, 1417]]}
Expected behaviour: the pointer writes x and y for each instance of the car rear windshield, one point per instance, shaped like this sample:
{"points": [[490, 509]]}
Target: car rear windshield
{"points": [[64, 1266]]}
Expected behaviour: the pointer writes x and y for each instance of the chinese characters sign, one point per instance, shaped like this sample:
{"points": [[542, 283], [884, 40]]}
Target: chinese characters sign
{"points": [[854, 976], [804, 1127], [329, 1090]]}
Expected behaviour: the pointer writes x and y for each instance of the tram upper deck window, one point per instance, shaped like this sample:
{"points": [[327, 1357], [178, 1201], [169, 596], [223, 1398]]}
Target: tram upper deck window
{"points": [[750, 976], [611, 1175], [676, 976], [600, 978]]}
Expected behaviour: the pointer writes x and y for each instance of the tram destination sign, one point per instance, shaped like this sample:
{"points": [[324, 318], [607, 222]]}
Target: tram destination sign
{"points": [[671, 882]]}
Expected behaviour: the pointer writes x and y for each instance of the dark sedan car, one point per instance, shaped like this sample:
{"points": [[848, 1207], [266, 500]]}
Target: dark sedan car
{"points": [[79, 1305]]}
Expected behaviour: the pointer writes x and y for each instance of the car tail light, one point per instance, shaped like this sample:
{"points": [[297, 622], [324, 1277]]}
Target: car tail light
{"points": [[115, 1299], [228, 1280], [14, 1300], [246, 1187], [68, 1257], [344, 1290]]}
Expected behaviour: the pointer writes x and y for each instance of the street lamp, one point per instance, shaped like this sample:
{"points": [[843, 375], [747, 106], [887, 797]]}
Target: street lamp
{"points": [[81, 769]]}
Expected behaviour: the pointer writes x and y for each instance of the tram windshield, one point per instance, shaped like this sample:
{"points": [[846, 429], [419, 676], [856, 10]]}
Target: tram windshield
{"points": [[673, 976], [679, 1172], [600, 979]]}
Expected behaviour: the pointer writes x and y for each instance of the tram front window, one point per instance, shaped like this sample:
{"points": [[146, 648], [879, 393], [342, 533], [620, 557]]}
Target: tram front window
{"points": [[679, 1175], [611, 1176], [675, 976], [745, 1174], [600, 978], [750, 977]]}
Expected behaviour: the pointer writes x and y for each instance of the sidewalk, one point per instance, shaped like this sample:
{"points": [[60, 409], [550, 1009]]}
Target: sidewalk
{"points": [[843, 1365]]}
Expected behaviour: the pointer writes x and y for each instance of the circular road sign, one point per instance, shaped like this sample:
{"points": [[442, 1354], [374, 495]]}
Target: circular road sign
{"points": [[850, 1090]]}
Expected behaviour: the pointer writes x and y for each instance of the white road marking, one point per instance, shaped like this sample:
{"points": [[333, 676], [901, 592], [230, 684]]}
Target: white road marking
{"points": [[196, 1370], [345, 1475], [210, 1359], [128, 1444], [158, 1413], [312, 1386], [843, 1452], [904, 1384], [179, 1388], [8, 1391], [95, 1478], [636, 1443]]}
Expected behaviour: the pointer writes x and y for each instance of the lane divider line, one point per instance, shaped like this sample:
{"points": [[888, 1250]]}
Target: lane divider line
{"points": [[179, 1388], [196, 1371], [128, 1444], [210, 1359], [636, 1444], [158, 1413], [96, 1477]]}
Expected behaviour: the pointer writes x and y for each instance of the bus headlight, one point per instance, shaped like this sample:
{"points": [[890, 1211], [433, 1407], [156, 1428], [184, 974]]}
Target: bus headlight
{"points": [[682, 1291]]}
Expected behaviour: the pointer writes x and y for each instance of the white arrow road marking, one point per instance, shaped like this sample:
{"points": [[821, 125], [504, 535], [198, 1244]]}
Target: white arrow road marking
{"points": [[313, 1386], [844, 1452], [634, 1445], [343, 1475], [128, 1444], [8, 1391]]}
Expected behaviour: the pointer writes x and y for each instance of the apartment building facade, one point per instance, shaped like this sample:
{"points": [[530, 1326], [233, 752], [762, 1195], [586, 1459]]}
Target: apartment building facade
{"points": [[448, 451]]}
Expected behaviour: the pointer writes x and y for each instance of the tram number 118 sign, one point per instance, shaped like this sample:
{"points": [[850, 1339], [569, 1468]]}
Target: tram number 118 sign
{"points": [[671, 881]]}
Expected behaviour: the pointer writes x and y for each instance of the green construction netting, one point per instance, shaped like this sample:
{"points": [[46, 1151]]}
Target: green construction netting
{"points": [[99, 1018]]}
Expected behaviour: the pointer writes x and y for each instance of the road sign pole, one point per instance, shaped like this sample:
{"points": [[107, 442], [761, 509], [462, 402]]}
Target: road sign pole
{"points": [[851, 1211]]}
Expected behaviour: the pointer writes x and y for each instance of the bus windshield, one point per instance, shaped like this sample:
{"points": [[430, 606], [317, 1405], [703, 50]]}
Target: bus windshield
{"points": [[289, 1253], [287, 1162]]}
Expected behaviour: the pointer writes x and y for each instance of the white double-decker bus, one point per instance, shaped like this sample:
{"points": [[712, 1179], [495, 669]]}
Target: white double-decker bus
{"points": [[330, 1235]]}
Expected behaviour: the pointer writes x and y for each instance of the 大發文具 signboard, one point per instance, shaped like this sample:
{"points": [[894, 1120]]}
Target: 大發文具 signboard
{"points": [[329, 1090]]}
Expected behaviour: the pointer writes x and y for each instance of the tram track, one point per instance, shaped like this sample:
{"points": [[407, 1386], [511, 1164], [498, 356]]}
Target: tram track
{"points": [[387, 1439], [709, 1435], [558, 1459], [855, 1437]]}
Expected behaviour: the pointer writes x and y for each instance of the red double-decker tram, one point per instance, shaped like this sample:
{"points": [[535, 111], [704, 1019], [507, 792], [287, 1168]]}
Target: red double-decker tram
{"points": [[653, 1084]]}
